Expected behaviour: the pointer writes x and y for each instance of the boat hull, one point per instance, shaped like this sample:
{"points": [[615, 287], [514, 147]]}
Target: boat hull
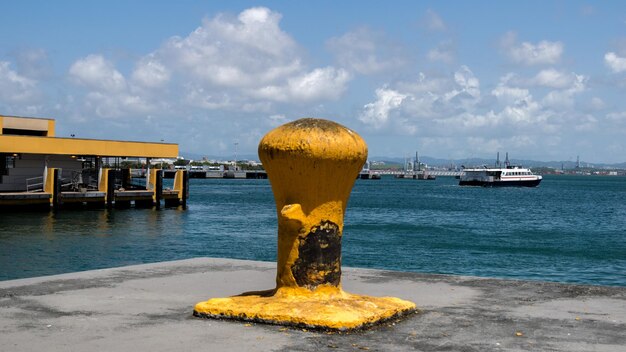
{"points": [[524, 183]]}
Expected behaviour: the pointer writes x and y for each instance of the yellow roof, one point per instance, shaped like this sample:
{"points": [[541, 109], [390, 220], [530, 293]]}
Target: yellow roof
{"points": [[31, 135], [79, 146]]}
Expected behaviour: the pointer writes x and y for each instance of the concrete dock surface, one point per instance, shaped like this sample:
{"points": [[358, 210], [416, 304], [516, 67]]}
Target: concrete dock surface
{"points": [[149, 308]]}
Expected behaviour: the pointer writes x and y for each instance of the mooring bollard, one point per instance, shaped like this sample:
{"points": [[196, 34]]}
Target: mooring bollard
{"points": [[312, 165]]}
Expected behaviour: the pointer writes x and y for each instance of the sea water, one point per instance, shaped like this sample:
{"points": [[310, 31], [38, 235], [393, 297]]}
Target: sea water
{"points": [[569, 229]]}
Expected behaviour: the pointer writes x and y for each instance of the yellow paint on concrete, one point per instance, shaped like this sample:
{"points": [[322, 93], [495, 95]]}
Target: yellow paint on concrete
{"points": [[152, 176], [178, 183], [78, 146], [49, 181], [103, 180], [51, 128], [312, 165], [326, 307]]}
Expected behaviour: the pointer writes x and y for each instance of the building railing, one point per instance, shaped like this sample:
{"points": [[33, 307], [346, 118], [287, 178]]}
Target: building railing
{"points": [[34, 184]]}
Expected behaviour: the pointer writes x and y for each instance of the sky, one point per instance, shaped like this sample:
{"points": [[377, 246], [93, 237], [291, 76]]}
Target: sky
{"points": [[541, 80]]}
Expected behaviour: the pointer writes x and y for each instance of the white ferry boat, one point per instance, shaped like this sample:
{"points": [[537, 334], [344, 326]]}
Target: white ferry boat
{"points": [[499, 177]]}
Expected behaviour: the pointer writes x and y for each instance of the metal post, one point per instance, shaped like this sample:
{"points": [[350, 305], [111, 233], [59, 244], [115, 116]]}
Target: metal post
{"points": [[110, 187], [185, 188], [158, 188], [56, 189]]}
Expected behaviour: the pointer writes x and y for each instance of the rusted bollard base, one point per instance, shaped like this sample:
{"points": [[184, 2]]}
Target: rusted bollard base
{"points": [[327, 308]]}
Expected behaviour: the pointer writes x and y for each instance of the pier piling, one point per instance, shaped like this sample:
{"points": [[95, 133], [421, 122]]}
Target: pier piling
{"points": [[185, 189], [56, 188], [110, 187]]}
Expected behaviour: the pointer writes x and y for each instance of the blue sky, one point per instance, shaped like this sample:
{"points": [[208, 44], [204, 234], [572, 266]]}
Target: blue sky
{"points": [[543, 80]]}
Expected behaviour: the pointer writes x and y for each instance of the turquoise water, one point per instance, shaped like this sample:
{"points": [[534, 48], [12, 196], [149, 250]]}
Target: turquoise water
{"points": [[569, 229]]}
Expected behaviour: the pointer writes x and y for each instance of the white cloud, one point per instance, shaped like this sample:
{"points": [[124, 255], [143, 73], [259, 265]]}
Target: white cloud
{"points": [[105, 104], [15, 88], [244, 63], [619, 117], [196, 96], [33, 63], [522, 113], [469, 84], [438, 107], [426, 84], [614, 62], [444, 52], [515, 91], [320, 84], [425, 99], [586, 123], [553, 79], [376, 114], [597, 103], [519, 106], [244, 72], [276, 120], [565, 97], [433, 21], [109, 93], [526, 53], [510, 95], [248, 51], [151, 73], [366, 51], [247, 58], [97, 73]]}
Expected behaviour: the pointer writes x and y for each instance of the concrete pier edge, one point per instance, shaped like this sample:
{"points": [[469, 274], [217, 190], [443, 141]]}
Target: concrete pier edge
{"points": [[149, 307]]}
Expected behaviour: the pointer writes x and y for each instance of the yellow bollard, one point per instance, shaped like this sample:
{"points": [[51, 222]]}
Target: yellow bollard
{"points": [[312, 165]]}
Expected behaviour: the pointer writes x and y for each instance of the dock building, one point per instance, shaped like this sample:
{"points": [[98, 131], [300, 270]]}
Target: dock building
{"points": [[39, 168]]}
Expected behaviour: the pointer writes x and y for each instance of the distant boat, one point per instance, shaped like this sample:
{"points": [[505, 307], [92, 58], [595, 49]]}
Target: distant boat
{"points": [[499, 177], [367, 174], [425, 176]]}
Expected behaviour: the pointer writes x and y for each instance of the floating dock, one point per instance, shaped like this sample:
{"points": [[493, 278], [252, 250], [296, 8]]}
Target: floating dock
{"points": [[107, 194]]}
